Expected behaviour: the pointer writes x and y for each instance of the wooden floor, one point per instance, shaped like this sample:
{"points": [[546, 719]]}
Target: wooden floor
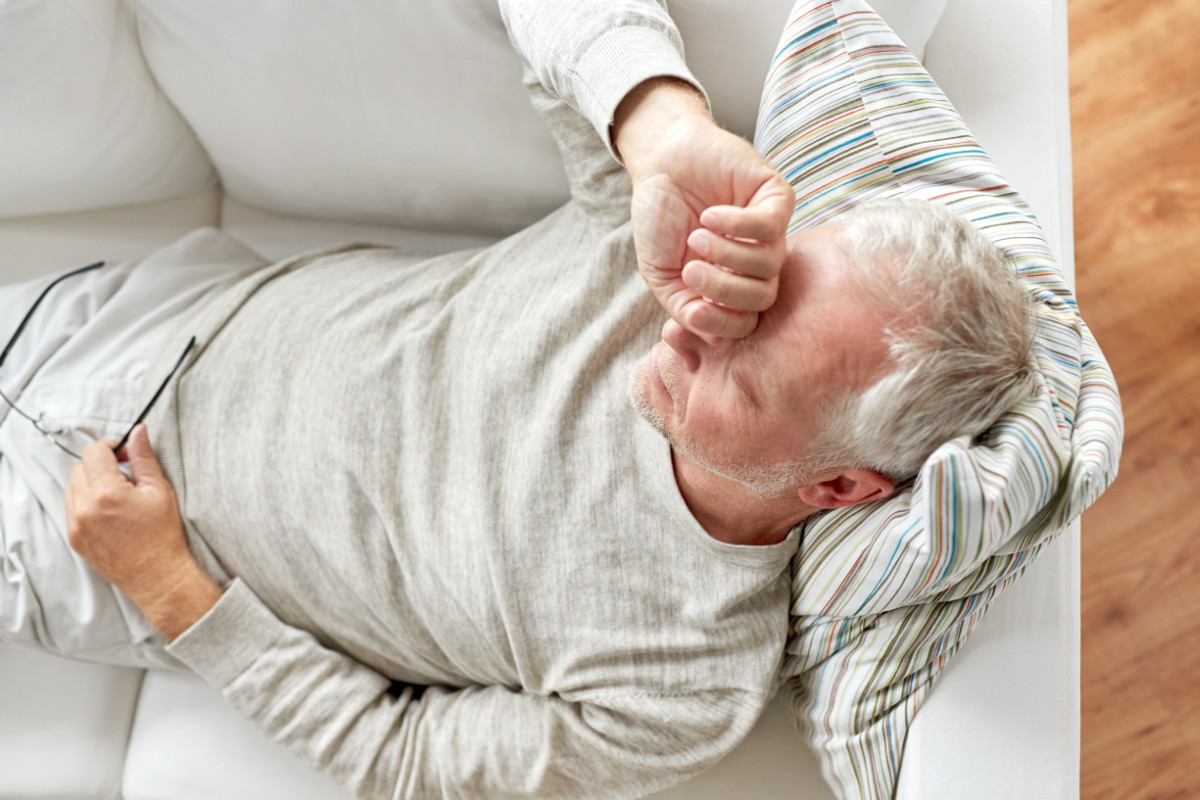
{"points": [[1135, 97]]}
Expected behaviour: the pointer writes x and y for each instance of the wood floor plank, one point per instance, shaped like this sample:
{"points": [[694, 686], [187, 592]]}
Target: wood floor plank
{"points": [[1142, 602], [1135, 103], [1139, 754]]}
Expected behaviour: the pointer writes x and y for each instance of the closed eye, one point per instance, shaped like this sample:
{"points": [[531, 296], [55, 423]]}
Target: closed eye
{"points": [[743, 380], [743, 386]]}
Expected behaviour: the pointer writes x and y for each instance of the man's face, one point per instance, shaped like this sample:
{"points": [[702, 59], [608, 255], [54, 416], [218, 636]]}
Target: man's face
{"points": [[742, 405]]}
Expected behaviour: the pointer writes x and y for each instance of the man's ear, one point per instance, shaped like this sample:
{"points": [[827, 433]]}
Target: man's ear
{"points": [[845, 487]]}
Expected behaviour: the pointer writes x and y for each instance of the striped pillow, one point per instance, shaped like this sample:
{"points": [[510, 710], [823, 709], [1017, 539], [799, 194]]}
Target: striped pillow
{"points": [[884, 593]]}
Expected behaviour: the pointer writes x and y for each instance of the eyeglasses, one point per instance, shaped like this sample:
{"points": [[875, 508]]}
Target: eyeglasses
{"points": [[53, 435]]}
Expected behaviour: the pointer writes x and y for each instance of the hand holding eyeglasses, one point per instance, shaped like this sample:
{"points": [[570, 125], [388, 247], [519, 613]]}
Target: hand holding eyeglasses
{"points": [[53, 435], [131, 532]]}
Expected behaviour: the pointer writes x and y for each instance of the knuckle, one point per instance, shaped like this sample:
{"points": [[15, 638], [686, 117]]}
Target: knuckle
{"points": [[88, 514], [106, 501], [92, 447], [779, 228], [762, 303], [740, 325], [77, 530]]}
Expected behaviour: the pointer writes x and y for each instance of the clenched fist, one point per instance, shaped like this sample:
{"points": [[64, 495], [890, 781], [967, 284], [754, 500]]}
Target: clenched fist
{"points": [[710, 215]]}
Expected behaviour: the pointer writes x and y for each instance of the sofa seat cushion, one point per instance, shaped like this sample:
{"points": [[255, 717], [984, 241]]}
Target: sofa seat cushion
{"points": [[187, 744], [48, 244], [65, 725], [277, 236]]}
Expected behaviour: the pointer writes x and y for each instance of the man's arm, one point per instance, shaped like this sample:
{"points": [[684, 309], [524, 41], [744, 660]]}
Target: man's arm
{"points": [[619, 63], [710, 216], [340, 717]]}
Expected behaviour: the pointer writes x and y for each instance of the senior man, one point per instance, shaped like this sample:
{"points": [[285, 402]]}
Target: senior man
{"points": [[381, 473]]}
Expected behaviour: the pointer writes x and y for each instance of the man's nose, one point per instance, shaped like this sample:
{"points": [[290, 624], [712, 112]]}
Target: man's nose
{"points": [[690, 347]]}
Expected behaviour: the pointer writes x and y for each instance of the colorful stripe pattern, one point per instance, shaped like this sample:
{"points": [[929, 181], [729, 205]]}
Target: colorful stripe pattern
{"points": [[884, 593]]}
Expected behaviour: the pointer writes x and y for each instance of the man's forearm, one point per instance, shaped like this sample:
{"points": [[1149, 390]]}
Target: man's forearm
{"points": [[648, 112], [189, 598]]}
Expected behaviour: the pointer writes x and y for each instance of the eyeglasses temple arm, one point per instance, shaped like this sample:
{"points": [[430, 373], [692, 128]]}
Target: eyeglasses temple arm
{"points": [[191, 343], [8, 347]]}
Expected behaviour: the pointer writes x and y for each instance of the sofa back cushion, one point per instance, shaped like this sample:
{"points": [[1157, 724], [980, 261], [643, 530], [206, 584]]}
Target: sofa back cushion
{"points": [[376, 111], [408, 113], [82, 123]]}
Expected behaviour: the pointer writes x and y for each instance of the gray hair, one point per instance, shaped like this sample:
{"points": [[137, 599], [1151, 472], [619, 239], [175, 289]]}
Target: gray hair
{"points": [[959, 329]]}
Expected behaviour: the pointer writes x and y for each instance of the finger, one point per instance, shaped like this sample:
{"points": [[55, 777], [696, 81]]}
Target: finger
{"points": [[763, 219], [72, 522], [74, 497], [751, 258], [100, 463], [730, 289], [711, 321], [142, 461], [760, 223], [77, 476], [76, 485]]}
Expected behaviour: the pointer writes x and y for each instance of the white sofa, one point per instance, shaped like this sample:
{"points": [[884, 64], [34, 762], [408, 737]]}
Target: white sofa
{"points": [[126, 123]]}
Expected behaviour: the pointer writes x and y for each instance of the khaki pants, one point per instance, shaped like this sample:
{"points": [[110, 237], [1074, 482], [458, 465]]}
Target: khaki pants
{"points": [[80, 366]]}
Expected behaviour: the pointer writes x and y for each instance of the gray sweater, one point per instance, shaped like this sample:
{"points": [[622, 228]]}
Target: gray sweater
{"points": [[427, 472]]}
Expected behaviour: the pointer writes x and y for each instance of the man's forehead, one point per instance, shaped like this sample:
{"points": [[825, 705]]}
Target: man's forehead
{"points": [[826, 333]]}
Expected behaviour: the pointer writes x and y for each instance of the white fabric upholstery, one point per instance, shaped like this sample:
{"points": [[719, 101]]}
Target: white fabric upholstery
{"points": [[326, 113], [276, 236], [32, 246], [188, 745], [63, 726], [83, 124]]}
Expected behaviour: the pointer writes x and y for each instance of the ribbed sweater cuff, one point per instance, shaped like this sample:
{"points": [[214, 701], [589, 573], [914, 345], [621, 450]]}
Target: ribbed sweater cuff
{"points": [[615, 64], [227, 640]]}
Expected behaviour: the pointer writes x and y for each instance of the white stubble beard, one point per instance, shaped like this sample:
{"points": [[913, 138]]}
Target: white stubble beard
{"points": [[762, 480]]}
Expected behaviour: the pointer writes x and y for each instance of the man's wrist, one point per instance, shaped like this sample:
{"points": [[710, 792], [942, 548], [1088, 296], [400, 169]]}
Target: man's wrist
{"points": [[648, 112], [190, 596]]}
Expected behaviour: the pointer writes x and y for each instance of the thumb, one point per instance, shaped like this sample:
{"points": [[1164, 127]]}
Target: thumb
{"points": [[142, 461]]}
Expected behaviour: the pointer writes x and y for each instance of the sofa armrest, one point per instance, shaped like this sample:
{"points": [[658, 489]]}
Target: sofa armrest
{"points": [[1004, 66], [1003, 720]]}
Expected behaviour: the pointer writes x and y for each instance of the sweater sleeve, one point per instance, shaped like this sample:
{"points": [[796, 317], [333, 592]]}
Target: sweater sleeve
{"points": [[493, 742], [591, 53]]}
